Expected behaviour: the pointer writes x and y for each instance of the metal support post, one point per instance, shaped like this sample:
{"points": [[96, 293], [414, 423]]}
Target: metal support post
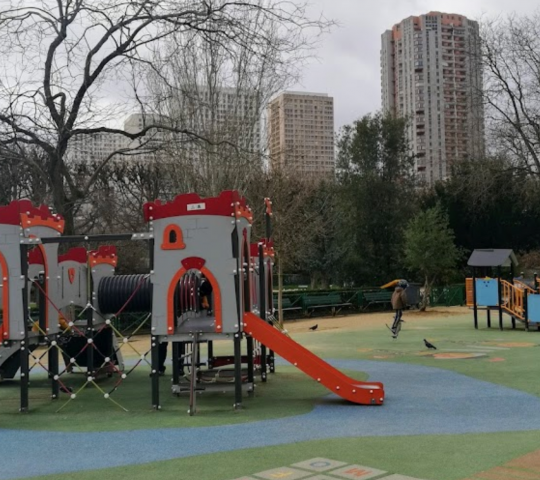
{"points": [[262, 308], [499, 286], [25, 350], [176, 363], [250, 372], [475, 306], [53, 368], [193, 377], [237, 371], [155, 372]]}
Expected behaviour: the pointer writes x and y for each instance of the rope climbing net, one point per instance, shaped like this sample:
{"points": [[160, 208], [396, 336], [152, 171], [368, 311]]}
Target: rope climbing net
{"points": [[85, 331]]}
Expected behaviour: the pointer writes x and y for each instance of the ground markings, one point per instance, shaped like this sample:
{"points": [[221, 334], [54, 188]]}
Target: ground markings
{"points": [[399, 477], [351, 472], [283, 473], [311, 470], [319, 464], [526, 467]]}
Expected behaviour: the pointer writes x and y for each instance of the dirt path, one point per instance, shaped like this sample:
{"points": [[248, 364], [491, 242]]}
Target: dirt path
{"points": [[370, 320], [348, 322]]}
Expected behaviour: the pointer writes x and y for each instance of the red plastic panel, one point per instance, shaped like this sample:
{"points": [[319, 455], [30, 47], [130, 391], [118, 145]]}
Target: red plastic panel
{"points": [[22, 212], [77, 254], [192, 204]]}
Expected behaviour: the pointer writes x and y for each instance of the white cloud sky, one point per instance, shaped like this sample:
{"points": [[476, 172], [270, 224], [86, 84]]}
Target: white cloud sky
{"points": [[348, 58]]}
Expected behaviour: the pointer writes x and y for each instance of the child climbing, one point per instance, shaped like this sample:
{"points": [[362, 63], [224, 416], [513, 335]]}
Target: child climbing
{"points": [[399, 302]]}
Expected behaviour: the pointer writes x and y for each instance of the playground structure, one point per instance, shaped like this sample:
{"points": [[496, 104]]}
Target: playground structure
{"points": [[488, 289], [206, 282]]}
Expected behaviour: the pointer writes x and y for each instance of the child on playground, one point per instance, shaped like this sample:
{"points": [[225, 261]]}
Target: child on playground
{"points": [[399, 302]]}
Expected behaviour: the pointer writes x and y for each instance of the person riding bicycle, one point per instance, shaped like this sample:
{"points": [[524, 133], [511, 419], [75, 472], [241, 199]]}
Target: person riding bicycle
{"points": [[399, 302]]}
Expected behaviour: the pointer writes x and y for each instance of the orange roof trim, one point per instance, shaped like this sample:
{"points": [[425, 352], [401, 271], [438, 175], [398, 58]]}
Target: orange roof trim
{"points": [[245, 212], [55, 222]]}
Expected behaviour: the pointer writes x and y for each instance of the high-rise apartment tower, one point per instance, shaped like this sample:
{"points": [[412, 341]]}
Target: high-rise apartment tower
{"points": [[431, 74], [301, 134]]}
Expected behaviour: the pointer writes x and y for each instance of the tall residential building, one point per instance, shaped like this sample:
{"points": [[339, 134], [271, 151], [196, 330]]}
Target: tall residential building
{"points": [[231, 113], [97, 147], [301, 133], [94, 147], [432, 75], [219, 115]]}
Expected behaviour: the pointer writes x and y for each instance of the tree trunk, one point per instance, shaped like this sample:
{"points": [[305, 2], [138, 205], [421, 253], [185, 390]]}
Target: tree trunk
{"points": [[61, 202], [427, 292]]}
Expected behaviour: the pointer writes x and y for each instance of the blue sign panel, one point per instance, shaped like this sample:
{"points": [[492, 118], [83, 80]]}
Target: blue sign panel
{"points": [[533, 308], [487, 293]]}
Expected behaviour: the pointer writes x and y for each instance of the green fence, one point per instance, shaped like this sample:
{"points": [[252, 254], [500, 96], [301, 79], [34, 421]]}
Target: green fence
{"points": [[310, 302], [449, 296], [304, 302]]}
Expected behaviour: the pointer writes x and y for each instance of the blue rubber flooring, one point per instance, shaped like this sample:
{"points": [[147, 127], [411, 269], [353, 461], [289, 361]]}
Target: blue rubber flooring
{"points": [[419, 401]]}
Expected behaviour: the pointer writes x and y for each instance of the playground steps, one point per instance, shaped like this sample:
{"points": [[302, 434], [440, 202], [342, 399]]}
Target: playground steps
{"points": [[514, 295], [516, 298]]}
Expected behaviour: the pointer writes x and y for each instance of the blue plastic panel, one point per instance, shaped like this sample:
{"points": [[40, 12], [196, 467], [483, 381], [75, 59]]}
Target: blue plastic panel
{"points": [[533, 307], [487, 293]]}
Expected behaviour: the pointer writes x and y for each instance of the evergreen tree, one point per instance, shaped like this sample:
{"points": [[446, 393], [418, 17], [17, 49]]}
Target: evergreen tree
{"points": [[377, 197], [430, 248]]}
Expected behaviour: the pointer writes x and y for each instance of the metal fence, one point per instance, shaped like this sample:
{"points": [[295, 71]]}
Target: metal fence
{"points": [[448, 296], [308, 303]]}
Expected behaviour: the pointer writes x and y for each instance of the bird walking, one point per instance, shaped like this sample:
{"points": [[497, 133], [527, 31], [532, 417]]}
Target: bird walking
{"points": [[314, 327], [429, 345]]}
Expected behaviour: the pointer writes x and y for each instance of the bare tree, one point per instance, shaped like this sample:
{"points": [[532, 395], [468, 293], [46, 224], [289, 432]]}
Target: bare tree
{"points": [[219, 88], [511, 59], [68, 67], [295, 222], [20, 179]]}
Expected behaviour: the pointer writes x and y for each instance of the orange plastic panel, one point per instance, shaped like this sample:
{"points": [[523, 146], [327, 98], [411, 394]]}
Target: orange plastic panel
{"points": [[173, 238]]}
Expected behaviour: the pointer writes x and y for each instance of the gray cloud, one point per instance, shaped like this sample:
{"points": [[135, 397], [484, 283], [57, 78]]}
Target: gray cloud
{"points": [[348, 59]]}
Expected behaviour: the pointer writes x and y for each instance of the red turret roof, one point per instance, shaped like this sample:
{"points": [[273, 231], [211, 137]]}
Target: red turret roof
{"points": [[193, 204], [23, 213], [77, 254], [104, 254], [268, 248]]}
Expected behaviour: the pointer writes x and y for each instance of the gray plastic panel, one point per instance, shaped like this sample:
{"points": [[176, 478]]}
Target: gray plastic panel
{"points": [[73, 291], [207, 237]]}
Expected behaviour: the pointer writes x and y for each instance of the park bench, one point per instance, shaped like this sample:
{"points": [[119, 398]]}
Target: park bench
{"points": [[289, 303], [379, 297], [329, 300]]}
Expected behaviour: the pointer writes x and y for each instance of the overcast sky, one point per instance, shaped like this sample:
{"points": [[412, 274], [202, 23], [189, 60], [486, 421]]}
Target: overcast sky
{"points": [[348, 59]]}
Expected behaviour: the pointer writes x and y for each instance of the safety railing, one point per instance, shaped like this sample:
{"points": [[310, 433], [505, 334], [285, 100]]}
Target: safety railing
{"points": [[524, 286], [513, 299]]}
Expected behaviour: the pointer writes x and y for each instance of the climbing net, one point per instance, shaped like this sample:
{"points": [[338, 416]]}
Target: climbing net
{"points": [[72, 330]]}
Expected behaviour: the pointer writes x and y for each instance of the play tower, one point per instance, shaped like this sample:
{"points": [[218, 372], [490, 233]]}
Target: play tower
{"points": [[196, 239], [210, 238]]}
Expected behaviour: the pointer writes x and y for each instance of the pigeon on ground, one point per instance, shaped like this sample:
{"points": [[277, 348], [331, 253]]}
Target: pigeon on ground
{"points": [[429, 345], [314, 327]]}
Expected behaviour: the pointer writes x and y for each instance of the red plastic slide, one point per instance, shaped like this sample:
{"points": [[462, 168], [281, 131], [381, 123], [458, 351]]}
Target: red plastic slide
{"points": [[371, 393]]}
